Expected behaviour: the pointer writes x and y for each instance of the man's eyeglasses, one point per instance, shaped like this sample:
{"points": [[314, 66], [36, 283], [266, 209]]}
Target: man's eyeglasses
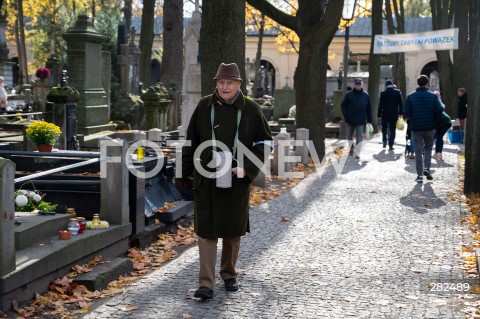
{"points": [[358, 83]]}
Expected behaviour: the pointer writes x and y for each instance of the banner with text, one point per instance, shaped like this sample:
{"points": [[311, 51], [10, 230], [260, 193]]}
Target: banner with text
{"points": [[409, 42]]}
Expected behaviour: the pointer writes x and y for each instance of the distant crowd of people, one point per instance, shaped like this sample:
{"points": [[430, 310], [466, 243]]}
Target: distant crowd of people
{"points": [[424, 111]]}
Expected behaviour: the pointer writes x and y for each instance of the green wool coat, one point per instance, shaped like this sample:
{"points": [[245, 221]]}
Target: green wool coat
{"points": [[224, 212]]}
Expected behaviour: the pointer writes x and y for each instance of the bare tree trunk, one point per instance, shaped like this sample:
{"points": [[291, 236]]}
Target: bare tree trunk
{"points": [[127, 13], [146, 41], [222, 39], [258, 57], [397, 59], [442, 17], [402, 78], [374, 59], [472, 142], [461, 56], [315, 24], [22, 51], [172, 57]]}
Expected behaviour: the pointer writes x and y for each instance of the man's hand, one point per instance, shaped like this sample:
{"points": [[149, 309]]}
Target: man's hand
{"points": [[240, 172]]}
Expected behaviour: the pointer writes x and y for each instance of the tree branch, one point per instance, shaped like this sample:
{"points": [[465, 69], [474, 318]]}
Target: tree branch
{"points": [[275, 14]]}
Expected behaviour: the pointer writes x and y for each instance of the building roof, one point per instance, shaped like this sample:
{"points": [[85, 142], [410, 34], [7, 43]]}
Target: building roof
{"points": [[361, 28], [157, 24]]}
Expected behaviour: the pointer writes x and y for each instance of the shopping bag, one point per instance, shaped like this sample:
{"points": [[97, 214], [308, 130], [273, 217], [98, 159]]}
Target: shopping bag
{"points": [[369, 129], [455, 137], [400, 124]]}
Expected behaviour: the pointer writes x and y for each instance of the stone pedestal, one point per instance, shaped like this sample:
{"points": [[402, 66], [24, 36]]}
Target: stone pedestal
{"points": [[7, 222], [84, 51], [192, 86], [54, 66], [114, 182], [7, 72], [130, 109], [40, 90], [64, 116], [302, 135], [156, 101], [191, 89], [281, 149], [284, 100], [5, 65]]}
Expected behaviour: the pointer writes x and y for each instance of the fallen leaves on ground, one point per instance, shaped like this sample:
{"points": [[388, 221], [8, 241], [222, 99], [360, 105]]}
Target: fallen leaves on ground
{"points": [[66, 299], [470, 212], [275, 185], [166, 207]]}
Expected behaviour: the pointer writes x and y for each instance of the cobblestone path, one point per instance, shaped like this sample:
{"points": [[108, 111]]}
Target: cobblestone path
{"points": [[359, 244]]}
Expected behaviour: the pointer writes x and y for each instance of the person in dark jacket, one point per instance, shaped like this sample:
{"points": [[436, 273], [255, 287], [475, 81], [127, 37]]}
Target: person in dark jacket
{"points": [[225, 118], [421, 107], [390, 106], [357, 111], [462, 106], [443, 123]]}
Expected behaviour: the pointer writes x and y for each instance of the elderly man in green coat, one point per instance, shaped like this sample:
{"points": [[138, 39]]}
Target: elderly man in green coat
{"points": [[225, 128]]}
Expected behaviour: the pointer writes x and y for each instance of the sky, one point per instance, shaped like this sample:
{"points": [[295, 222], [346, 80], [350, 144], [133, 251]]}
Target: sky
{"points": [[188, 7]]}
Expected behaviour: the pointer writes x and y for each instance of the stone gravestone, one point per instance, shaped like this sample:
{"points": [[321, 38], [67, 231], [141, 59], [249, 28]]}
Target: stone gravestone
{"points": [[40, 91], [129, 65], [337, 113], [191, 73], [157, 100], [7, 222], [129, 108], [5, 65], [284, 100], [106, 75], [84, 52]]}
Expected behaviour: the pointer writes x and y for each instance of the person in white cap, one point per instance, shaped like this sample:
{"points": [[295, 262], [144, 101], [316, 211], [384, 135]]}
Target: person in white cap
{"points": [[227, 117]]}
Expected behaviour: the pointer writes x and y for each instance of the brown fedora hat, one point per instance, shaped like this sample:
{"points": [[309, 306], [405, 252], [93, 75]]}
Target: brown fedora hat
{"points": [[228, 72]]}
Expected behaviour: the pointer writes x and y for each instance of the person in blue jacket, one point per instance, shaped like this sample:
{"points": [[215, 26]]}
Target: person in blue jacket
{"points": [[357, 111], [390, 106], [422, 107]]}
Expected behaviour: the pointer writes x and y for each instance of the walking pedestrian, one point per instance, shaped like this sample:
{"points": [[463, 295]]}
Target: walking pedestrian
{"points": [[357, 111], [443, 123], [462, 106], [3, 95], [421, 107], [226, 118], [390, 107]]}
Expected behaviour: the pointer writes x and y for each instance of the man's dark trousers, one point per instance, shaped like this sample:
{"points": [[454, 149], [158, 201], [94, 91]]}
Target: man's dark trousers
{"points": [[389, 126]]}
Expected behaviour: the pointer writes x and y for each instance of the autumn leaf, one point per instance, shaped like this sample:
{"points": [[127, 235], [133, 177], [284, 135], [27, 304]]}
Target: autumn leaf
{"points": [[284, 219], [138, 266], [128, 308]]}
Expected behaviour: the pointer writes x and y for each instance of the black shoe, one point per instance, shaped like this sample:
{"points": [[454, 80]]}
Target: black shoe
{"points": [[231, 284], [204, 293], [384, 145], [427, 174], [391, 148]]}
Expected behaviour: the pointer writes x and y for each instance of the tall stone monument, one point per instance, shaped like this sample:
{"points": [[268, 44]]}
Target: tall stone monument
{"points": [[191, 72], [84, 51], [5, 64]]}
